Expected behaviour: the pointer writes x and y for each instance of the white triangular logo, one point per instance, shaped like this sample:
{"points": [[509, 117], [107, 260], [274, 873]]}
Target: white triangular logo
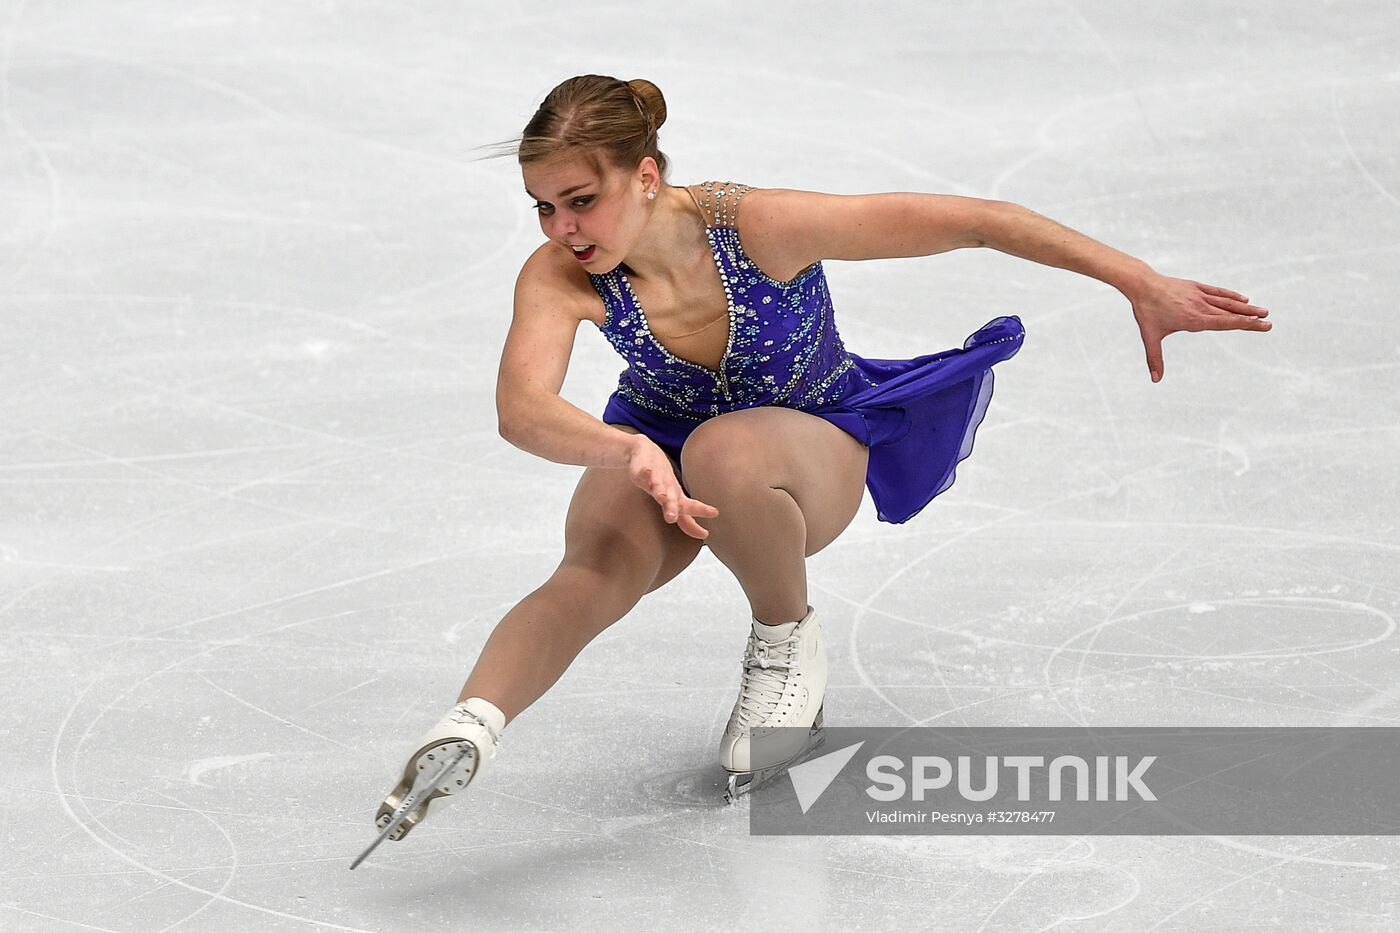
{"points": [[811, 778]]}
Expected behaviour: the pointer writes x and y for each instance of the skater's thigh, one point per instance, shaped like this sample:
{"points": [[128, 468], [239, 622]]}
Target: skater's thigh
{"points": [[617, 529]]}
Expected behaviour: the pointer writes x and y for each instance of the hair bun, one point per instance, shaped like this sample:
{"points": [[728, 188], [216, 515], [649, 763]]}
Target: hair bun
{"points": [[652, 103]]}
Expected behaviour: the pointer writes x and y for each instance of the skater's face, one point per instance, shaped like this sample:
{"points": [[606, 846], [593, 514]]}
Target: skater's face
{"points": [[579, 207]]}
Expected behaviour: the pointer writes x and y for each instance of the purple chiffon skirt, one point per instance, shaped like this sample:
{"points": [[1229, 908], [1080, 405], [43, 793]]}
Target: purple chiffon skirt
{"points": [[919, 419]]}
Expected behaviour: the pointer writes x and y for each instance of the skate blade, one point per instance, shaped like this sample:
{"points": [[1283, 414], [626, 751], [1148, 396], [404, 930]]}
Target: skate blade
{"points": [[432, 756], [417, 799], [743, 783]]}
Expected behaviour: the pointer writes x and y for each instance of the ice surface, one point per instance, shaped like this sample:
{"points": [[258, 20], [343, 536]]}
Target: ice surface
{"points": [[257, 519]]}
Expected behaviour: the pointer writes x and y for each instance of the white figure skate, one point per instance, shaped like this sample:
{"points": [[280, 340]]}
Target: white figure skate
{"points": [[450, 756], [784, 684]]}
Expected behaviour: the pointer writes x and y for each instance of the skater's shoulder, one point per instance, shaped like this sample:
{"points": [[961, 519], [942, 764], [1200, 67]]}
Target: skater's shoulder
{"points": [[764, 222], [750, 207], [719, 201], [725, 203], [550, 278]]}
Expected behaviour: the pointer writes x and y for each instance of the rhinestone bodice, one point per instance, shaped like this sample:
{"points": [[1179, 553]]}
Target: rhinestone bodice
{"points": [[784, 348]]}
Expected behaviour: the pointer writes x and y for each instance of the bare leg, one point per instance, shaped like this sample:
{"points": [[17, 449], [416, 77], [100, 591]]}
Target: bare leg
{"points": [[537, 640], [786, 483], [617, 548], [760, 536]]}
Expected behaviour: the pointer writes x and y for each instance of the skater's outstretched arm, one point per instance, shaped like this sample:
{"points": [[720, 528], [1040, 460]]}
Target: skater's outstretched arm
{"points": [[1162, 305], [805, 226]]}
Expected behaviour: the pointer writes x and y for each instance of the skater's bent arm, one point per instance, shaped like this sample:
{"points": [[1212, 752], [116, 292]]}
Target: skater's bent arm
{"points": [[529, 409], [560, 431], [806, 226]]}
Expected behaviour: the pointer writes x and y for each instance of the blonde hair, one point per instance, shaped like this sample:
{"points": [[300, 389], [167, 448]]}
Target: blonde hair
{"points": [[591, 115]]}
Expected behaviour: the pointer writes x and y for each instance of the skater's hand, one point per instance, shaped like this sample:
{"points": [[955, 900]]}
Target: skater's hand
{"points": [[650, 469], [1164, 305]]}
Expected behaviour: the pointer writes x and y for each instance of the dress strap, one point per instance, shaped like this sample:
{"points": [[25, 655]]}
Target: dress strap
{"points": [[720, 201]]}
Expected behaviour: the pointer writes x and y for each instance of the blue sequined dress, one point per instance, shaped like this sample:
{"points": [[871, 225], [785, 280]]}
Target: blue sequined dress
{"points": [[918, 416]]}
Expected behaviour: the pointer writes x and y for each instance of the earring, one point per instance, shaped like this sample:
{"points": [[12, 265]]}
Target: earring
{"points": [[651, 195]]}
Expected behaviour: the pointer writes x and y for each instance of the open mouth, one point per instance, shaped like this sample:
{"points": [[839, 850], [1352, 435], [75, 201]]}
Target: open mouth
{"points": [[585, 254]]}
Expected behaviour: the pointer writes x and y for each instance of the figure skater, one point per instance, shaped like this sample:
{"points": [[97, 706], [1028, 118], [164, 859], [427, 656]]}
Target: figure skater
{"points": [[741, 421]]}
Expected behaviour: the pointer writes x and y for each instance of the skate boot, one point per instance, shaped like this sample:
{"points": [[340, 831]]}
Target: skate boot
{"points": [[471, 729], [784, 683]]}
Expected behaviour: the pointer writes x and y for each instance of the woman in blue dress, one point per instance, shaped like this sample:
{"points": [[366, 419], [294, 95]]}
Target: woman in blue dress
{"points": [[741, 422]]}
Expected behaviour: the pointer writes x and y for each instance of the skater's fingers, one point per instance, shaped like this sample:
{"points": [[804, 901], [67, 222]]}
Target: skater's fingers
{"points": [[691, 527], [1242, 316], [1217, 290], [1238, 307], [676, 505], [696, 507], [684, 513], [1152, 343]]}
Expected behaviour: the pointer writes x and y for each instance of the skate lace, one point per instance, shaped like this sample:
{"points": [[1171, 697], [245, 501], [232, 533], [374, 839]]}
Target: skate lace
{"points": [[460, 714], [766, 666]]}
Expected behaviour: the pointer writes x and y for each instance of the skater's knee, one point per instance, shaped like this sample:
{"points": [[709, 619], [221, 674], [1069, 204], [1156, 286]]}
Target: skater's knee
{"points": [[720, 456], [623, 549], [611, 585]]}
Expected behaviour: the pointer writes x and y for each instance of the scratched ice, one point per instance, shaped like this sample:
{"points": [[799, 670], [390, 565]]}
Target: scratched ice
{"points": [[257, 520]]}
